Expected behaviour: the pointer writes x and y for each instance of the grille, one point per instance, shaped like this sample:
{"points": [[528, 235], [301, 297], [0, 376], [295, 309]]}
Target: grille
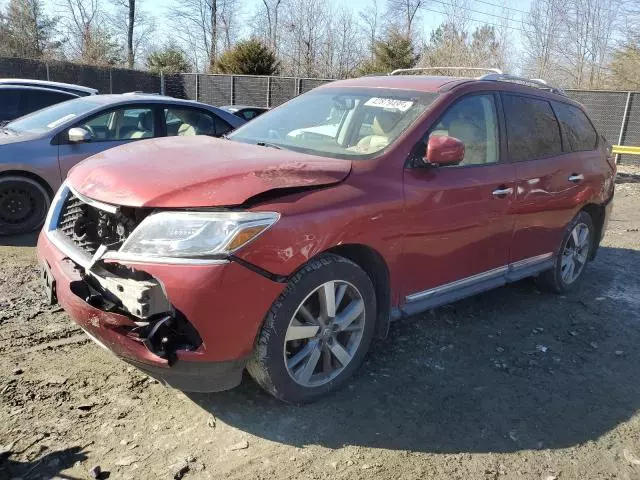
{"points": [[89, 227]]}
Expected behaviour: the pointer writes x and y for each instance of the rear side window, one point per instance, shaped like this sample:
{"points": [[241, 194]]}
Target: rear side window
{"points": [[532, 129], [37, 99], [9, 104], [577, 127]]}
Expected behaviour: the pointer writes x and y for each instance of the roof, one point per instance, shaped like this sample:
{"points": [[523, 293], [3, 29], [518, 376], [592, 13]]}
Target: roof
{"points": [[46, 83], [137, 97], [235, 108], [421, 83]]}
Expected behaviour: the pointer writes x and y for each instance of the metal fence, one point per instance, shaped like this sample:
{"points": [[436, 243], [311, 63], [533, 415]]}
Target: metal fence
{"points": [[616, 114]]}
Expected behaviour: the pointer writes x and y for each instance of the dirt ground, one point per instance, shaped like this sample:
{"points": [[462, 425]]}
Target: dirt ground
{"points": [[513, 384]]}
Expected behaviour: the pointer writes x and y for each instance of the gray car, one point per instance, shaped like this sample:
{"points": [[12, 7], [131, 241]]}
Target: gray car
{"points": [[37, 150]]}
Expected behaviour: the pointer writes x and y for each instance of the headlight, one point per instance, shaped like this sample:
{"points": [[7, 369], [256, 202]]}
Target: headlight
{"points": [[183, 235]]}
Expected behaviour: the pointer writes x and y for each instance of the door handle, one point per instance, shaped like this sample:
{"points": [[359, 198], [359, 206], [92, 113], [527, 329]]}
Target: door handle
{"points": [[576, 177], [502, 192]]}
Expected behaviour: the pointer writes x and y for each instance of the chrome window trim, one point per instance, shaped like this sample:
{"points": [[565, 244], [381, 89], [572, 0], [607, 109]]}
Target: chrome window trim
{"points": [[489, 274]]}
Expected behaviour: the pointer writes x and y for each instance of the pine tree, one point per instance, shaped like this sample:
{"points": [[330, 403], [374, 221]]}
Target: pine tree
{"points": [[25, 30], [249, 57]]}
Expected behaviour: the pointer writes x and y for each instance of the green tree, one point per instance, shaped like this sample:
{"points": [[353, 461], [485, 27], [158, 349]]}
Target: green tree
{"points": [[101, 48], [168, 60], [249, 57], [395, 51], [625, 66], [26, 31]]}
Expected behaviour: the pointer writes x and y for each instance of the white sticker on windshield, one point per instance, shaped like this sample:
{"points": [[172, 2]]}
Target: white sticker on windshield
{"points": [[402, 105], [61, 120]]}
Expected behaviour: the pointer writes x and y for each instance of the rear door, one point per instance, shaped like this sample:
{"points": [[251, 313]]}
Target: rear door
{"points": [[110, 128], [459, 220], [550, 178]]}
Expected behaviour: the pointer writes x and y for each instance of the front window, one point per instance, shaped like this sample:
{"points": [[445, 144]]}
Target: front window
{"points": [[349, 123], [52, 117]]}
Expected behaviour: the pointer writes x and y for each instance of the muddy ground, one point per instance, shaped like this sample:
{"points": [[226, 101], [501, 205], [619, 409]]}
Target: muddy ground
{"points": [[513, 384]]}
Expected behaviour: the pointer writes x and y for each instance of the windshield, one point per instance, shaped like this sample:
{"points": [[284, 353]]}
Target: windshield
{"points": [[51, 117], [350, 123]]}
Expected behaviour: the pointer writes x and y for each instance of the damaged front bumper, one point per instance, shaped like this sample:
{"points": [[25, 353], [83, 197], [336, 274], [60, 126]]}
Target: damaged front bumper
{"points": [[190, 326]]}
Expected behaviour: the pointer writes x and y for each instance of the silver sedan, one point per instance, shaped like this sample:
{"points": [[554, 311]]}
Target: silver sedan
{"points": [[37, 151]]}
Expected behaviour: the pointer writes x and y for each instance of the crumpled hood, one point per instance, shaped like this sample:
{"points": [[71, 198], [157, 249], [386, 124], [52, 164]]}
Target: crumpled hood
{"points": [[200, 171]]}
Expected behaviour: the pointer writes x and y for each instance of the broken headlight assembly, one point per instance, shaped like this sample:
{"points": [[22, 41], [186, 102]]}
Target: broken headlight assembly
{"points": [[187, 236]]}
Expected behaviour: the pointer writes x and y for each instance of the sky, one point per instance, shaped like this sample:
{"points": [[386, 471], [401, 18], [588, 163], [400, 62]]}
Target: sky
{"points": [[478, 12]]}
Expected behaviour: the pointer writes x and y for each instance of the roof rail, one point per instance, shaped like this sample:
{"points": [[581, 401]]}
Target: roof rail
{"points": [[535, 82], [496, 71]]}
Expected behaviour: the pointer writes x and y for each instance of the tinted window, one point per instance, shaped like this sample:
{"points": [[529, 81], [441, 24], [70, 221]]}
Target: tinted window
{"points": [[248, 114], [222, 127], [577, 127], [532, 129], [188, 121], [473, 121], [9, 104], [37, 99], [121, 124]]}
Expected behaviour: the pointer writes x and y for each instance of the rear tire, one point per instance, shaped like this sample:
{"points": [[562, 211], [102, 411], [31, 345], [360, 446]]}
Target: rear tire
{"points": [[572, 258], [24, 203], [310, 344]]}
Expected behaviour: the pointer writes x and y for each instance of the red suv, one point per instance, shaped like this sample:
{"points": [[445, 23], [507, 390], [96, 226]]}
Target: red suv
{"points": [[286, 247]]}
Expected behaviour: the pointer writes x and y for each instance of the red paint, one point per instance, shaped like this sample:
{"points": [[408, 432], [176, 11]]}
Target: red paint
{"points": [[430, 225], [199, 171], [443, 150]]}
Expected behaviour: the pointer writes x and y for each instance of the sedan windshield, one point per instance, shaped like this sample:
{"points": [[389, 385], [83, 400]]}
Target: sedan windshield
{"points": [[51, 117], [349, 123]]}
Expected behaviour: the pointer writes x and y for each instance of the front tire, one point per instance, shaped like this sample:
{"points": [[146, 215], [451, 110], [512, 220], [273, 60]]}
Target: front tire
{"points": [[571, 261], [317, 333], [23, 205]]}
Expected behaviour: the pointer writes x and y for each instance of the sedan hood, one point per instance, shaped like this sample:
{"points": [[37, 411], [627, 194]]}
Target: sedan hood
{"points": [[184, 172]]}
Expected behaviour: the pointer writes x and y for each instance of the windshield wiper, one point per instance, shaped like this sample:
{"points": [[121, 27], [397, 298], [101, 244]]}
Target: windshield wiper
{"points": [[269, 145]]}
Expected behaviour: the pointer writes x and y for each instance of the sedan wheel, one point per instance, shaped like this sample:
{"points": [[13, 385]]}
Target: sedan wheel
{"points": [[23, 205]]}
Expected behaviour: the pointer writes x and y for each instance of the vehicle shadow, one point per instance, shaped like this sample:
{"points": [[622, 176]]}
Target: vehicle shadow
{"points": [[507, 370], [24, 240], [623, 177], [46, 466]]}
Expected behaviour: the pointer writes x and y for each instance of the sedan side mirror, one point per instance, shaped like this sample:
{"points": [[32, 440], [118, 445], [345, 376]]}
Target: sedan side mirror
{"points": [[443, 150], [79, 135]]}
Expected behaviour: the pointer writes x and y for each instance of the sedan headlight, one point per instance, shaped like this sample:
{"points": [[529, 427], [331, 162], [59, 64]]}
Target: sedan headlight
{"points": [[186, 234]]}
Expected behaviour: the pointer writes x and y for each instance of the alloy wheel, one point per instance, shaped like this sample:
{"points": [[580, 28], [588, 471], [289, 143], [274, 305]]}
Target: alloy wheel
{"points": [[324, 333], [574, 255]]}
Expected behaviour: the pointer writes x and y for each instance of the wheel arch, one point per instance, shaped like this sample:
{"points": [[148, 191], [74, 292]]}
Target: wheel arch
{"points": [[374, 265], [597, 214], [30, 175]]}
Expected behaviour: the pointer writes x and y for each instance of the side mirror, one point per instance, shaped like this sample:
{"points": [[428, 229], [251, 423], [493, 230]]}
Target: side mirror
{"points": [[443, 150], [78, 135]]}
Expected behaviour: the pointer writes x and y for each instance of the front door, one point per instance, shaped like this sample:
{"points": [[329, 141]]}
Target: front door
{"points": [[459, 218], [107, 130]]}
